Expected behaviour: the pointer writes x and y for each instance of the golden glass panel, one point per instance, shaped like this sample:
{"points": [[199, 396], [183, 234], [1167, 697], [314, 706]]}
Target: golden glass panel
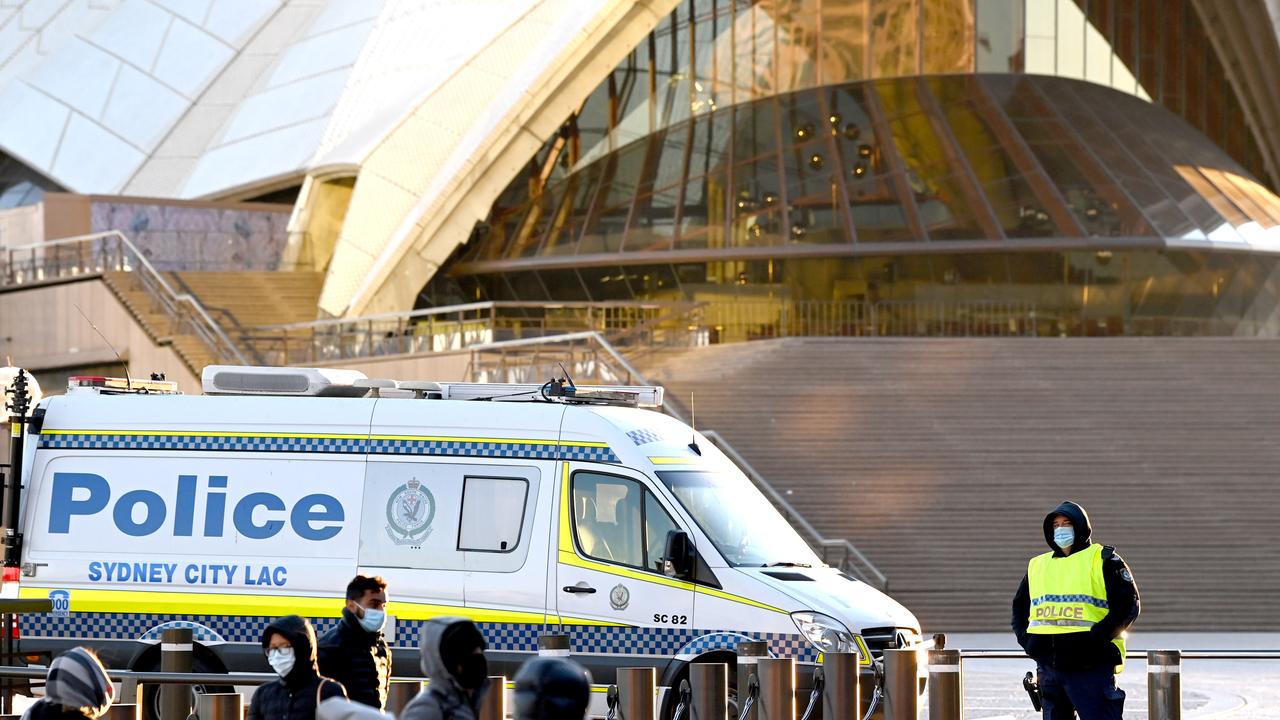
{"points": [[948, 36], [895, 37]]}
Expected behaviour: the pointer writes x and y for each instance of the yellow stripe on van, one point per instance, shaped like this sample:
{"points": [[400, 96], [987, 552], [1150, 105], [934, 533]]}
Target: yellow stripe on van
{"points": [[569, 556], [224, 604], [667, 460]]}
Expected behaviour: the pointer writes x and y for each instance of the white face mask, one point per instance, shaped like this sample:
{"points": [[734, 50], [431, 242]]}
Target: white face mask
{"points": [[373, 620], [281, 660], [1064, 537]]}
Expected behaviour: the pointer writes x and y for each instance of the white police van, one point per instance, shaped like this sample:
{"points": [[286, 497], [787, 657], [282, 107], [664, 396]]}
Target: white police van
{"points": [[527, 508]]}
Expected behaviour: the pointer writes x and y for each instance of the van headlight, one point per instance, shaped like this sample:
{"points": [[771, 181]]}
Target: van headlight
{"points": [[824, 632]]}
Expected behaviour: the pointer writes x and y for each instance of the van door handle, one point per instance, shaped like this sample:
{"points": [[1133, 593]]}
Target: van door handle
{"points": [[580, 588]]}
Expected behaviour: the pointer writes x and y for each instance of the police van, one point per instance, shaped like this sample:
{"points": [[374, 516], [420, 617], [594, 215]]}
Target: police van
{"points": [[530, 509]]}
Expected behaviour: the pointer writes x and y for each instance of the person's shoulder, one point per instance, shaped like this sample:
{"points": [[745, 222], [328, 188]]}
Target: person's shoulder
{"points": [[1109, 554], [333, 637], [423, 706], [331, 688]]}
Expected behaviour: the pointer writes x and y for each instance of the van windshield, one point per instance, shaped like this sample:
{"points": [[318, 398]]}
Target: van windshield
{"points": [[744, 527]]}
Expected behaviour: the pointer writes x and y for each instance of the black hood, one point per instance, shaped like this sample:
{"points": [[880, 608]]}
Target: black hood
{"points": [[552, 688], [297, 630], [1079, 520]]}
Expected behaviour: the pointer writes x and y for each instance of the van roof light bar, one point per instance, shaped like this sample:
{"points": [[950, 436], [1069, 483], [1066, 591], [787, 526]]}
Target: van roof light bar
{"points": [[629, 395], [104, 385], [306, 382]]}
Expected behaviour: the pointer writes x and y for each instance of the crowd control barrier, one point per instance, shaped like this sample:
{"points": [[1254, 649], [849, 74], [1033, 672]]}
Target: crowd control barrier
{"points": [[768, 686]]}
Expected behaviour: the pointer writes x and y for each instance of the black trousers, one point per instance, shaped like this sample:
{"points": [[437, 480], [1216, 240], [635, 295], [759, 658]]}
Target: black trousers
{"points": [[1090, 693]]}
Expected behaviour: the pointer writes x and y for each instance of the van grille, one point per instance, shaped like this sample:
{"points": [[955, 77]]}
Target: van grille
{"points": [[886, 638]]}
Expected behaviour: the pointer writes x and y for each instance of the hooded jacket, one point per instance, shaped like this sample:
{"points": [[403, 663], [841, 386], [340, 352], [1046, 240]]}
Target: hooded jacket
{"points": [[294, 696], [444, 697], [358, 659], [1081, 650], [77, 688], [552, 689]]}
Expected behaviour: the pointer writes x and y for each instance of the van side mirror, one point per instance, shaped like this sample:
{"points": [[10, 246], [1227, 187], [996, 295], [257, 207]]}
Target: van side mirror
{"points": [[677, 561]]}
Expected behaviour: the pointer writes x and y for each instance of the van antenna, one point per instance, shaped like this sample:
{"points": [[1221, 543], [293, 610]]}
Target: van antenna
{"points": [[693, 422], [567, 376], [127, 382]]}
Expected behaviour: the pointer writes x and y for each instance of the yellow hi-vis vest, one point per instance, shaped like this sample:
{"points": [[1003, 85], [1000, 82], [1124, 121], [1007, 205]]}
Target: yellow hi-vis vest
{"points": [[1068, 594]]}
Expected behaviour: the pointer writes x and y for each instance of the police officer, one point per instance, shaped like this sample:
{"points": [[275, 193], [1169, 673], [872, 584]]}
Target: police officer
{"points": [[1068, 615]]}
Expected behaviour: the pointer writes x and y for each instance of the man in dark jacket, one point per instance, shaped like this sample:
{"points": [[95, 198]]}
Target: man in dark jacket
{"points": [[1069, 614], [76, 688], [453, 659], [290, 645], [354, 652]]}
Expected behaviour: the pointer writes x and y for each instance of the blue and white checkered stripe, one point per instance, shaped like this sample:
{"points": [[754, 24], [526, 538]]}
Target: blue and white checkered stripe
{"points": [[644, 436], [1086, 599], [282, 443], [501, 637]]}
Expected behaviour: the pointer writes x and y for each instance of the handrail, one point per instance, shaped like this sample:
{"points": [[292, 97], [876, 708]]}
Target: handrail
{"points": [[159, 289], [226, 315], [467, 307], [794, 515], [867, 568]]}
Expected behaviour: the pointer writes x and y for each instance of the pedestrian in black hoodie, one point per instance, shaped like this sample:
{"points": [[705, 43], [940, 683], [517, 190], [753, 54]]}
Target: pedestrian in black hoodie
{"points": [[76, 688], [551, 688], [354, 652], [290, 645], [1068, 615]]}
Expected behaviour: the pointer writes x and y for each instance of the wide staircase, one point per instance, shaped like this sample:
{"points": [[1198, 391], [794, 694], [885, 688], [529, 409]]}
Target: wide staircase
{"points": [[940, 458], [236, 301]]}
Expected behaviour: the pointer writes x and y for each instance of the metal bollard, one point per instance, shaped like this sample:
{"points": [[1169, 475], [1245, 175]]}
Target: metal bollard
{"points": [[841, 691], [176, 654], [901, 687], [219, 706], [749, 653], [710, 683], [553, 645], [1164, 685], [946, 681], [777, 688], [636, 688], [123, 711], [494, 706], [399, 693]]}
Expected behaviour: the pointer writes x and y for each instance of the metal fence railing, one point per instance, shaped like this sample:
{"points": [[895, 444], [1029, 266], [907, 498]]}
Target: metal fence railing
{"points": [[452, 328], [88, 255]]}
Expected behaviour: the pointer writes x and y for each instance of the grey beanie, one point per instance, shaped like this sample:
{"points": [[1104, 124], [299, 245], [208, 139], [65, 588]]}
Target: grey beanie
{"points": [[77, 680]]}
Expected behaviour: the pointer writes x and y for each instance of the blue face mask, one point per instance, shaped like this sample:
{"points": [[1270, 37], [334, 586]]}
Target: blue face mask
{"points": [[373, 620], [1064, 537]]}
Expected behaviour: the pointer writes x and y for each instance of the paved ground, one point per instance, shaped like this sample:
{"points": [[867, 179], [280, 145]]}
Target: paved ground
{"points": [[1210, 688]]}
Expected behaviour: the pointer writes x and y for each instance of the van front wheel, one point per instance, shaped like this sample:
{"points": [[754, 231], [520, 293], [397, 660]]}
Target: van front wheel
{"points": [[149, 694], [668, 709]]}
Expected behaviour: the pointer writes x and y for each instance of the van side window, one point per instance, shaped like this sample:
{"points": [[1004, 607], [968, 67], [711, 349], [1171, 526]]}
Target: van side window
{"points": [[657, 523], [617, 520], [492, 514]]}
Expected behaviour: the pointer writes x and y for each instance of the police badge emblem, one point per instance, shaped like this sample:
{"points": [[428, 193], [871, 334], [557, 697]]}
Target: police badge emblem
{"points": [[410, 510], [619, 597]]}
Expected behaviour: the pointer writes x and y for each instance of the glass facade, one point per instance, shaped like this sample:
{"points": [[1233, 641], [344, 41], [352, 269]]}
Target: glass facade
{"points": [[886, 151], [20, 185]]}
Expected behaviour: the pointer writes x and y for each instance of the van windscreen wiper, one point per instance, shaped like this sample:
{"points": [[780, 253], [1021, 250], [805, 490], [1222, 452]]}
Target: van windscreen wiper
{"points": [[786, 564]]}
